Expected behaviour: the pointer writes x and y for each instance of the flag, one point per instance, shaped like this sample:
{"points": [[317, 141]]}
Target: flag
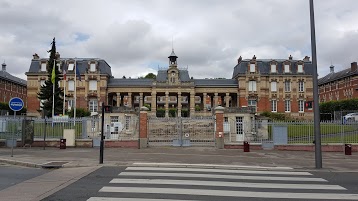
{"points": [[78, 73], [53, 76]]}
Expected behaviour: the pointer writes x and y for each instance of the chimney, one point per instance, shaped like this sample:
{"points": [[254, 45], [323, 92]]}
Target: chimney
{"points": [[254, 57], [35, 56], [4, 66], [290, 57], [331, 68], [354, 66], [307, 58], [57, 55]]}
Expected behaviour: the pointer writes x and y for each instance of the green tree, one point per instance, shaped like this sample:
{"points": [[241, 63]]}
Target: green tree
{"points": [[80, 112], [46, 91], [150, 76]]}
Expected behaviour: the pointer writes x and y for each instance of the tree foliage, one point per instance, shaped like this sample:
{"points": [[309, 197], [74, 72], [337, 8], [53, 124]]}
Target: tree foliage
{"points": [[80, 112], [46, 91], [331, 106], [5, 106]]}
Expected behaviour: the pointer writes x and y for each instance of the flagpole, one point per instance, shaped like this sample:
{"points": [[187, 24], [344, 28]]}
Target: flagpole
{"points": [[64, 89], [53, 91], [75, 101]]}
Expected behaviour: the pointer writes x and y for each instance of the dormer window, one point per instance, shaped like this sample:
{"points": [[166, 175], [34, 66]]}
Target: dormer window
{"points": [[71, 67], [92, 67], [287, 68], [299, 68], [273, 68], [43, 66], [252, 68]]}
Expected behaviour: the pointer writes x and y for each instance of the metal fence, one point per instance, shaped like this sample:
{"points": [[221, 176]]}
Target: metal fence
{"points": [[293, 132]]}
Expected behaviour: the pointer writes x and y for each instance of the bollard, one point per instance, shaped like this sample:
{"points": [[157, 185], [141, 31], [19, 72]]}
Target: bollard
{"points": [[62, 143], [246, 146], [348, 149]]}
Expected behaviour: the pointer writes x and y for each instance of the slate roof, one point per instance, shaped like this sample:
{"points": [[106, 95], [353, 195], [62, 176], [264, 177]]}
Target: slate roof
{"points": [[130, 82], [162, 75], [7, 76], [331, 77], [215, 82], [264, 67], [81, 64]]}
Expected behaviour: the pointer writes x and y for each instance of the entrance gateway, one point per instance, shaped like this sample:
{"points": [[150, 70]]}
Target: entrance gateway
{"points": [[181, 131]]}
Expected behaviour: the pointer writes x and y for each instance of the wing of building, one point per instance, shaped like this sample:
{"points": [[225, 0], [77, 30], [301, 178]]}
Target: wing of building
{"points": [[256, 86]]}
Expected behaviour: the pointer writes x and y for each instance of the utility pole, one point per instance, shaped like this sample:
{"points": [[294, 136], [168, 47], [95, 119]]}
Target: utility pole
{"points": [[317, 131]]}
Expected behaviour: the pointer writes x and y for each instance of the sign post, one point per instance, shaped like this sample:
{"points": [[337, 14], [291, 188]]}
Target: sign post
{"points": [[15, 104]]}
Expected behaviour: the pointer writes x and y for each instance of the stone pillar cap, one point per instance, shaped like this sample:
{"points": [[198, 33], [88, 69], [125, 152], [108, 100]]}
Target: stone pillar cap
{"points": [[144, 108], [219, 109]]}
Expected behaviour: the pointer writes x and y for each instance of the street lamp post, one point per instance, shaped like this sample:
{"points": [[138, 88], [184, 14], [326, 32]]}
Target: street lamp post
{"points": [[317, 132]]}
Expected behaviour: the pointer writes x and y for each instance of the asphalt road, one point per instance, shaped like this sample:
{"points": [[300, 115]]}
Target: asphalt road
{"points": [[11, 175], [143, 183]]}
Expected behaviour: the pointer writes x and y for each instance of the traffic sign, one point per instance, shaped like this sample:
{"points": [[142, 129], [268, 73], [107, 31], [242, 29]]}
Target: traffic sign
{"points": [[16, 104]]}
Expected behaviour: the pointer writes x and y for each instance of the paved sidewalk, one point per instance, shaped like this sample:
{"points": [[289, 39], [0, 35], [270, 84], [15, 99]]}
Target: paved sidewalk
{"points": [[89, 157]]}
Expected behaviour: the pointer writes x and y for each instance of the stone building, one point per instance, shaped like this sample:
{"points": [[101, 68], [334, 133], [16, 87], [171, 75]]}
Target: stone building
{"points": [[339, 85], [175, 93], [11, 86]]}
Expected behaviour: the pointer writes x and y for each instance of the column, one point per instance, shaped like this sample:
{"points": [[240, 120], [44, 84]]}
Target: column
{"points": [[119, 99], [216, 99], [130, 100], [204, 102], [227, 100], [140, 100], [143, 140], [179, 104], [166, 104], [219, 135], [192, 103], [153, 105]]}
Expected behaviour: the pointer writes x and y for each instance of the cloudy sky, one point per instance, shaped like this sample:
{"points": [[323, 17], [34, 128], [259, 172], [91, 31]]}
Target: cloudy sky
{"points": [[135, 37]]}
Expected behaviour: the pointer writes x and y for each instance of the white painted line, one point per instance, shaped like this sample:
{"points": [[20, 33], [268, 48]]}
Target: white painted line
{"points": [[226, 193], [212, 166], [129, 199], [227, 184], [218, 170], [217, 176]]}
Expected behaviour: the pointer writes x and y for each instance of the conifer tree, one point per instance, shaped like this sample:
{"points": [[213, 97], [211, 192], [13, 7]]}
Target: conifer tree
{"points": [[46, 91]]}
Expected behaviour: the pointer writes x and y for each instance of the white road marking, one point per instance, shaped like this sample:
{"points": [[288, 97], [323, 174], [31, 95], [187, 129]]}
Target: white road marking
{"points": [[129, 199]]}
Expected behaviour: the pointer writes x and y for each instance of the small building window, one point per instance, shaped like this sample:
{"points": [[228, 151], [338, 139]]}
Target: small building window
{"points": [[43, 67], [273, 105], [273, 68], [93, 67], [252, 103], [71, 85], [93, 105], [71, 67], [252, 68], [301, 106], [287, 68], [287, 106], [287, 86], [300, 68], [93, 85], [252, 86], [69, 104], [301, 86]]}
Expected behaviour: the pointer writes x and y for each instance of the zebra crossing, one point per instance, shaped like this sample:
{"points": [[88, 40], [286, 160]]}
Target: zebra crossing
{"points": [[163, 182]]}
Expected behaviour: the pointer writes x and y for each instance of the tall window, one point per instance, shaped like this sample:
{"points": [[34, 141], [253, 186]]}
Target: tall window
{"points": [[93, 67], [300, 68], [273, 68], [252, 85], [287, 86], [301, 86], [301, 106], [43, 66], [252, 68], [128, 121], [252, 103], [93, 85], [71, 85], [273, 105], [287, 68], [93, 105], [287, 105], [274, 86]]}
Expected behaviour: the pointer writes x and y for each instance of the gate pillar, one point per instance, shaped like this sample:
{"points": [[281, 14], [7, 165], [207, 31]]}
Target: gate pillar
{"points": [[143, 136], [219, 133]]}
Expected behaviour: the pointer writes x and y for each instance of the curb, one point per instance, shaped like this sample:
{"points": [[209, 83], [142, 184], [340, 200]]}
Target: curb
{"points": [[20, 163]]}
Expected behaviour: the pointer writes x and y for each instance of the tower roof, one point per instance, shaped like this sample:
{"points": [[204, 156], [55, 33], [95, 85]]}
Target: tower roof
{"points": [[173, 54]]}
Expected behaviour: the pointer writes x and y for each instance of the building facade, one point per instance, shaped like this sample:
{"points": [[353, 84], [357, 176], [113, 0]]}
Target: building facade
{"points": [[340, 85], [11, 86], [173, 92]]}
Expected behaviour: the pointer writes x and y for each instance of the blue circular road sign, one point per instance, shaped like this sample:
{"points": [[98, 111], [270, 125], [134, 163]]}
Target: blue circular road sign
{"points": [[16, 104]]}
